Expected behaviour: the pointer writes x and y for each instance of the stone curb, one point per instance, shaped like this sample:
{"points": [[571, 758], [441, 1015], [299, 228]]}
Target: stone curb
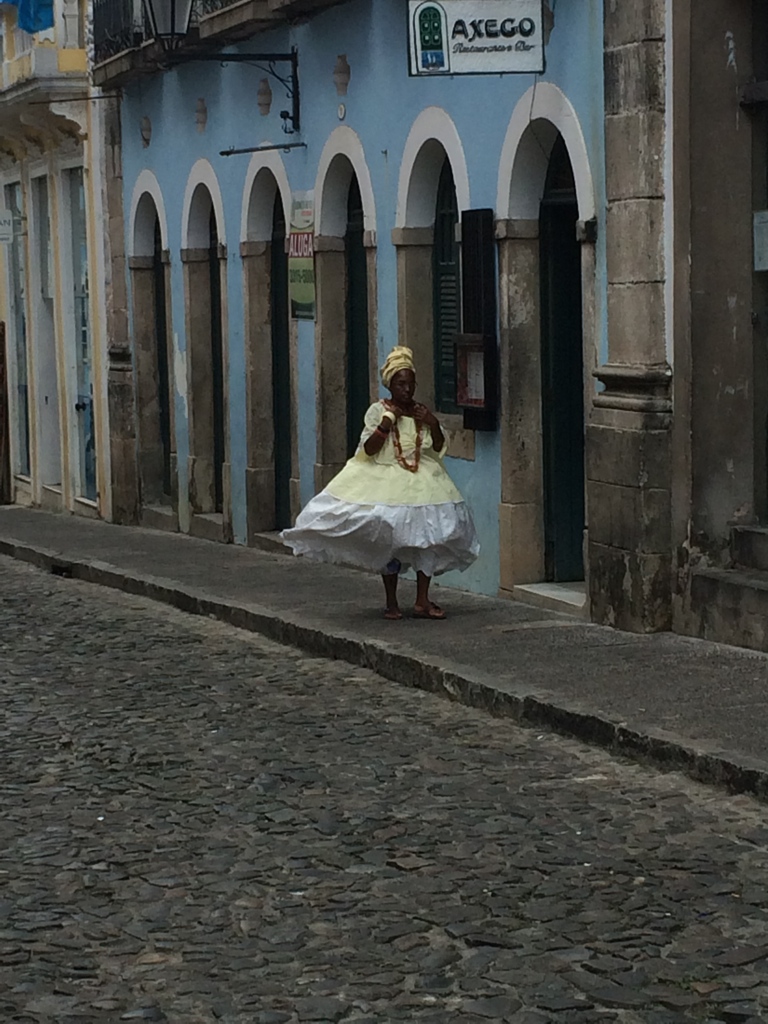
{"points": [[715, 768]]}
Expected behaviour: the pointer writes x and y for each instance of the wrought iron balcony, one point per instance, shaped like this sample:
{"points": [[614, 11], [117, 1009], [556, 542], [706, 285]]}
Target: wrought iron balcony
{"points": [[212, 6], [118, 25]]}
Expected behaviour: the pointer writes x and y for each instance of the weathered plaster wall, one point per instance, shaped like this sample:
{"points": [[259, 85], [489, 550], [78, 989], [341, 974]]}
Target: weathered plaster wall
{"points": [[381, 106]]}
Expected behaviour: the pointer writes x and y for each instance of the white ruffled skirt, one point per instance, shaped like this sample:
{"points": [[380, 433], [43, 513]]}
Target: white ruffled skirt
{"points": [[432, 539]]}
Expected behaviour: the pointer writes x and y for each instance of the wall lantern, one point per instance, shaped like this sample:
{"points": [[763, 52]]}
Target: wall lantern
{"points": [[169, 21], [169, 24]]}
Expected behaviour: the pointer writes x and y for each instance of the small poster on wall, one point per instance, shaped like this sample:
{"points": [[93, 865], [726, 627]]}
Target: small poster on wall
{"points": [[475, 37], [6, 226], [301, 256]]}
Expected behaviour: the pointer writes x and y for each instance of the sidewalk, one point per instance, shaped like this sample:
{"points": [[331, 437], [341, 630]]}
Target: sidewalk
{"points": [[676, 702]]}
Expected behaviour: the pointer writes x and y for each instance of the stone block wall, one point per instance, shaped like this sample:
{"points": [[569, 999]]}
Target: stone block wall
{"points": [[628, 436]]}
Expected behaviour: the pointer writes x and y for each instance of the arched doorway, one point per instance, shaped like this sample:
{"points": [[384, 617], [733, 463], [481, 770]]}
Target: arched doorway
{"points": [[358, 362], [149, 270], [562, 372], [281, 366], [549, 338], [433, 190], [204, 262], [345, 327], [270, 351], [446, 290], [216, 355], [161, 351]]}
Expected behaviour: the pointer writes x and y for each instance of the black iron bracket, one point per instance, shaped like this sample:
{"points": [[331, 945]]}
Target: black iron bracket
{"points": [[265, 62]]}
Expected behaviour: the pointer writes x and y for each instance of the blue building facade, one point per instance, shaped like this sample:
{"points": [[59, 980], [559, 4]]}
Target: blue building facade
{"points": [[240, 419]]}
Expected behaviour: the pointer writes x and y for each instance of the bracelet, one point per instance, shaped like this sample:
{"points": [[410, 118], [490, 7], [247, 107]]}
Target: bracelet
{"points": [[389, 415], [381, 431]]}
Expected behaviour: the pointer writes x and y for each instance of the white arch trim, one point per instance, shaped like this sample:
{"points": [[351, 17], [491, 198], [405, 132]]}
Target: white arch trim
{"points": [[519, 199], [146, 184], [342, 141], [432, 124], [273, 162], [202, 173]]}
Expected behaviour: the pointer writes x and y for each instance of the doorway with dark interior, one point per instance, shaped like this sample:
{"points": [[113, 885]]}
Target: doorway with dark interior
{"points": [[562, 372]]}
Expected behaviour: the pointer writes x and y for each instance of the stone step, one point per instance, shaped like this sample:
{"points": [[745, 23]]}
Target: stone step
{"points": [[730, 606], [569, 598], [749, 547], [270, 541]]}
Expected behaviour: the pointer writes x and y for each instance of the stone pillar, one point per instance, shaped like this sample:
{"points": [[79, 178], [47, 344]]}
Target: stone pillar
{"points": [[729, 302], [295, 476], [197, 293], [146, 353], [521, 512], [415, 314], [260, 424], [121, 405], [330, 358], [628, 438], [369, 241], [6, 488], [145, 356]]}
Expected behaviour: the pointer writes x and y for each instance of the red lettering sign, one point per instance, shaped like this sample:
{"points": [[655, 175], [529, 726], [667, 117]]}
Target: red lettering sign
{"points": [[302, 245]]}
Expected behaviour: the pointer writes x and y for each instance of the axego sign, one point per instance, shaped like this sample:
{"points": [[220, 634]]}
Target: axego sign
{"points": [[475, 37]]}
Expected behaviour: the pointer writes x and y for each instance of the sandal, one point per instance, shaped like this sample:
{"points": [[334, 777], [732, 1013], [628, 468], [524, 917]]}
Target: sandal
{"points": [[433, 612]]}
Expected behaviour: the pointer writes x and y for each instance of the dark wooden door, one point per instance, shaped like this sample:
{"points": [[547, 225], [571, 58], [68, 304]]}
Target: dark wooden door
{"points": [[217, 365], [358, 384], [161, 351], [5, 421], [281, 368], [562, 373]]}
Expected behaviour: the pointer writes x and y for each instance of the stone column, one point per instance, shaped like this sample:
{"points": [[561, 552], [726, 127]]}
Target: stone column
{"points": [[197, 296], [521, 512], [121, 405], [145, 356], [330, 358], [295, 478], [369, 241], [6, 489], [415, 314], [260, 426], [146, 353], [628, 438]]}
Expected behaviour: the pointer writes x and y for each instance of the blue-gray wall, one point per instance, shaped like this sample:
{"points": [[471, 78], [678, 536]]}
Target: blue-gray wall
{"points": [[381, 106]]}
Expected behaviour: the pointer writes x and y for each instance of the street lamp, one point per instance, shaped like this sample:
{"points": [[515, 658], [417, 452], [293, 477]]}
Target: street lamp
{"points": [[169, 24], [169, 21]]}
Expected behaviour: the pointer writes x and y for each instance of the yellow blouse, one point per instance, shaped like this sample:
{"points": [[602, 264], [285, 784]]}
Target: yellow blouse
{"points": [[380, 480]]}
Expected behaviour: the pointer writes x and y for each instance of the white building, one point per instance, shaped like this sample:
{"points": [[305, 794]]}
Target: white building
{"points": [[51, 271]]}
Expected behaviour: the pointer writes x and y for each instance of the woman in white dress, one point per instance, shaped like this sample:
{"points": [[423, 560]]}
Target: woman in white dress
{"points": [[393, 506]]}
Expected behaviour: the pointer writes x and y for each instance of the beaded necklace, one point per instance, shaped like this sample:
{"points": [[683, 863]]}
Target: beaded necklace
{"points": [[412, 467]]}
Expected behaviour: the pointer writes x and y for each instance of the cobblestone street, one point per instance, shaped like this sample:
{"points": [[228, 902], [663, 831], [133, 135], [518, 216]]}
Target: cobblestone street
{"points": [[200, 825]]}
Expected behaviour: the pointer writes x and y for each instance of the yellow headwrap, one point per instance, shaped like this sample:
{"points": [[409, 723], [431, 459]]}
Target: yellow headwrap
{"points": [[400, 358]]}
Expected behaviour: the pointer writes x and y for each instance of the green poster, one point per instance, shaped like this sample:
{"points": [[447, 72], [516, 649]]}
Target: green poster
{"points": [[301, 256]]}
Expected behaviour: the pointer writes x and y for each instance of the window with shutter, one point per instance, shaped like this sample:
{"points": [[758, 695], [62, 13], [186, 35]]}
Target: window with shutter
{"points": [[447, 291]]}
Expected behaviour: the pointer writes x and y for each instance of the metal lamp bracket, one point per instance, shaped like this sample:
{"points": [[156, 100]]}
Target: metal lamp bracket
{"points": [[265, 62]]}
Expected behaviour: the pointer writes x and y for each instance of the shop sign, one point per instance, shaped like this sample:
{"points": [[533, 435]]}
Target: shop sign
{"points": [[6, 226], [475, 37], [301, 256]]}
